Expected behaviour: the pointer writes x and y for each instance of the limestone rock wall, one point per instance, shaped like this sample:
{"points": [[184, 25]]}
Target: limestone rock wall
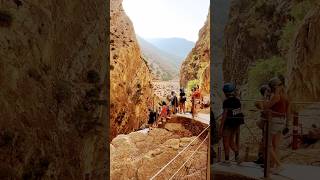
{"points": [[252, 33], [304, 61], [141, 155], [197, 63], [53, 95], [130, 88]]}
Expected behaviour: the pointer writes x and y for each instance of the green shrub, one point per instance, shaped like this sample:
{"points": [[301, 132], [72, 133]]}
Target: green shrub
{"points": [[264, 70], [191, 84]]}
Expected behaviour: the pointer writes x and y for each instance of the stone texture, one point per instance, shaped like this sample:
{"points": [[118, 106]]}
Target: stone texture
{"points": [[130, 88], [135, 158], [197, 63], [252, 33], [53, 95], [304, 61]]}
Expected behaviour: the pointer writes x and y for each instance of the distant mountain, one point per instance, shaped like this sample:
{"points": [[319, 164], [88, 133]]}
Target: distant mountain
{"points": [[164, 66], [177, 46]]}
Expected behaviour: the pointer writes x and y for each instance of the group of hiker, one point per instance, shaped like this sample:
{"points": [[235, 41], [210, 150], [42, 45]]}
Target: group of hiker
{"points": [[174, 104], [274, 107]]}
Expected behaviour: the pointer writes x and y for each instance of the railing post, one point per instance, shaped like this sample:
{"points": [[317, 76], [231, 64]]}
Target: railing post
{"points": [[219, 151], [267, 144], [209, 145], [295, 133]]}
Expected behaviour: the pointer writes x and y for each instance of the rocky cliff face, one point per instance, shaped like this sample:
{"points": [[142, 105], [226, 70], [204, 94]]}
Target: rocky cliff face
{"points": [[252, 33], [140, 155], [304, 61], [53, 89], [130, 88], [197, 63], [288, 30]]}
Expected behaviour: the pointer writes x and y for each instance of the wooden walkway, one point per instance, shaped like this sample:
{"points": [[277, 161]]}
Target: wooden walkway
{"points": [[250, 170]]}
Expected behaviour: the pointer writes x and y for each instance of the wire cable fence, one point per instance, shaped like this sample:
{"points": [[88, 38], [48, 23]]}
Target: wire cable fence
{"points": [[189, 158], [294, 135], [182, 151]]}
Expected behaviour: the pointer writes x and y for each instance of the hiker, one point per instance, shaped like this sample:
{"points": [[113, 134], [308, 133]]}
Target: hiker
{"points": [[232, 118], [152, 118], [182, 101], [164, 111], [265, 93], [199, 97], [168, 106], [174, 102], [278, 106], [193, 101], [159, 110]]}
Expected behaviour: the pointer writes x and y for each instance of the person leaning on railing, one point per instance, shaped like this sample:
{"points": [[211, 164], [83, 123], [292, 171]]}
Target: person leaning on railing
{"points": [[278, 106], [265, 93]]}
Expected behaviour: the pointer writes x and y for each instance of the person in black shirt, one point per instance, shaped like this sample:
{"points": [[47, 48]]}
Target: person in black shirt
{"points": [[231, 120], [174, 102], [152, 118], [182, 101]]}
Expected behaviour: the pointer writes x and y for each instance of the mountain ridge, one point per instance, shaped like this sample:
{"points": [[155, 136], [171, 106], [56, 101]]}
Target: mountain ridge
{"points": [[163, 65], [174, 45]]}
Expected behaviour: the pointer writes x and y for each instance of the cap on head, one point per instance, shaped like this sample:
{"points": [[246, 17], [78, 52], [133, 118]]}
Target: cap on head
{"points": [[264, 88], [275, 82], [229, 88]]}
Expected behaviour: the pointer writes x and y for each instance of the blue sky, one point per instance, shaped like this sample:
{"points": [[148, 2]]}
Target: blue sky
{"points": [[167, 18]]}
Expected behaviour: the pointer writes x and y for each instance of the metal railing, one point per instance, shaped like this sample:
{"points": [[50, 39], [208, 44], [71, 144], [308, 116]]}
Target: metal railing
{"points": [[184, 150], [295, 134]]}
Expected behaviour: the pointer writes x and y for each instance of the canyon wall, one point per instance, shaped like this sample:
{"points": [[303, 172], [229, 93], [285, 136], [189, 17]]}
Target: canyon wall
{"points": [[304, 60], [252, 33], [130, 77], [53, 94], [197, 63], [277, 35]]}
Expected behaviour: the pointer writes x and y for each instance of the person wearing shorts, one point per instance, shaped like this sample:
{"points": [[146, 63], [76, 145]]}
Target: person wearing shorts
{"points": [[231, 120], [278, 108]]}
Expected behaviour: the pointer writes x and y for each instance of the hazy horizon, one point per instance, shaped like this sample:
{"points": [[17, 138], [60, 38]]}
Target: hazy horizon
{"points": [[153, 19]]}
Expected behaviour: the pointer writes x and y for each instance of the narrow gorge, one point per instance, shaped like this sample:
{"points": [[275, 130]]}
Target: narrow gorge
{"points": [[130, 77], [137, 152]]}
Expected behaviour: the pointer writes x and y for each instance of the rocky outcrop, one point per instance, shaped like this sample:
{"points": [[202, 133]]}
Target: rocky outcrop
{"points": [[141, 155], [262, 30], [252, 33], [130, 88], [197, 63], [304, 61], [53, 94]]}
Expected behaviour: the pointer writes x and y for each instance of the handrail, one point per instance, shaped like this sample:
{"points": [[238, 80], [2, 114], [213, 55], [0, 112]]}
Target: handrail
{"points": [[189, 158], [178, 154]]}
